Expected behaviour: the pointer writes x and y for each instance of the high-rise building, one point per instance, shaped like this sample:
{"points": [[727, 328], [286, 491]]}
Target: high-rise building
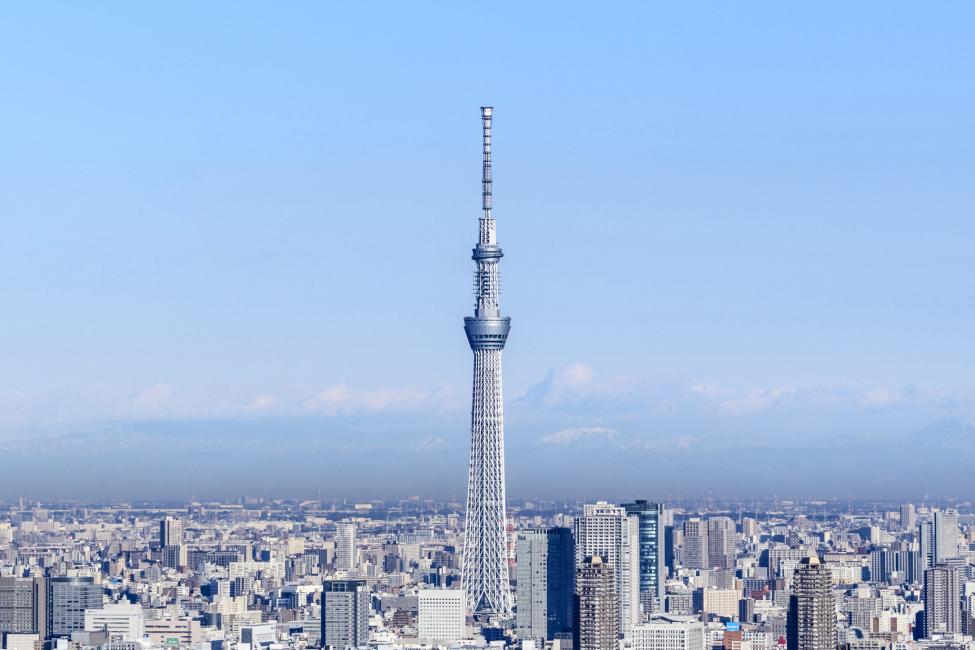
{"points": [[345, 546], [694, 547], [546, 582], [749, 527], [441, 615], [608, 532], [170, 532], [925, 541], [721, 543], [945, 535], [651, 552], [485, 570], [67, 600], [345, 614], [942, 600], [173, 555], [23, 605], [908, 517], [882, 564], [596, 606], [811, 621]]}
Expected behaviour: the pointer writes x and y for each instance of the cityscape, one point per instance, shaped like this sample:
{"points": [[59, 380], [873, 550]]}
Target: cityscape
{"points": [[255, 572], [230, 417], [264, 574]]}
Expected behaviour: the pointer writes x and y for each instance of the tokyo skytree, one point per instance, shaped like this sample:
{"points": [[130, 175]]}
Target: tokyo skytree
{"points": [[485, 575]]}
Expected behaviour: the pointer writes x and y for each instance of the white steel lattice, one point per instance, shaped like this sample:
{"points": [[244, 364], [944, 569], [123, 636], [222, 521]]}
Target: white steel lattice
{"points": [[485, 574]]}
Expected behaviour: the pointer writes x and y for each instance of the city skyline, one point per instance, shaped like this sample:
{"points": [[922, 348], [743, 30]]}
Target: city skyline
{"points": [[762, 240]]}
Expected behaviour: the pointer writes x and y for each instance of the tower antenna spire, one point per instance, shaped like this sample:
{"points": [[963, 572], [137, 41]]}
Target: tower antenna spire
{"points": [[485, 572], [486, 180]]}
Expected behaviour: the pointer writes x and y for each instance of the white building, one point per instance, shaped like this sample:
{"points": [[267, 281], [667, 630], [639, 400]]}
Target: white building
{"points": [[609, 532], [345, 551], [124, 622], [440, 615], [258, 636], [667, 632], [22, 641], [721, 602]]}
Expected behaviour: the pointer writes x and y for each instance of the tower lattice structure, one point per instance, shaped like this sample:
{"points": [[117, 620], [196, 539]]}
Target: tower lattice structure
{"points": [[485, 575]]}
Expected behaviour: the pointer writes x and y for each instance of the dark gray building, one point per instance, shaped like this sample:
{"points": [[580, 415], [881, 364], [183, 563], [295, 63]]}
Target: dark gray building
{"points": [[942, 600], [652, 566], [67, 600], [811, 623], [345, 614], [546, 582], [23, 605], [596, 606]]}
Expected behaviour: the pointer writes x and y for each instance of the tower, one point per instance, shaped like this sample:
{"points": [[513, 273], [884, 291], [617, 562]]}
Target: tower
{"points": [[546, 582], [485, 575], [345, 614], [652, 570], [596, 606], [170, 532], [345, 546], [694, 552], [942, 601], [609, 532], [811, 622], [721, 543]]}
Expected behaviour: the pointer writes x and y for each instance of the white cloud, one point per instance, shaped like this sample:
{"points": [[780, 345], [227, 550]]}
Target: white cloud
{"points": [[338, 398], [567, 436], [880, 397], [740, 402], [154, 396], [430, 443], [261, 403], [569, 381], [754, 400]]}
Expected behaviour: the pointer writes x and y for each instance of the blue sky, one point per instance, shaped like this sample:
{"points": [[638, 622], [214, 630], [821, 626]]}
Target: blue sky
{"points": [[726, 227]]}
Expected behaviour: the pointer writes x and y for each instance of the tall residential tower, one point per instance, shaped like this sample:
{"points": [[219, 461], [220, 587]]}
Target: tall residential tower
{"points": [[485, 575]]}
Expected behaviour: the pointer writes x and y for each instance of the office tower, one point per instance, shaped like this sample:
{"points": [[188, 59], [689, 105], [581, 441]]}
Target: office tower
{"points": [[673, 540], [945, 535], [651, 552], [345, 546], [811, 622], [749, 527], [67, 600], [607, 531], [23, 605], [908, 516], [721, 543], [942, 600], [546, 582], [596, 606], [925, 540], [173, 556], [694, 549], [881, 564], [441, 615], [170, 532], [345, 614], [908, 562], [669, 632], [485, 572], [123, 621]]}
